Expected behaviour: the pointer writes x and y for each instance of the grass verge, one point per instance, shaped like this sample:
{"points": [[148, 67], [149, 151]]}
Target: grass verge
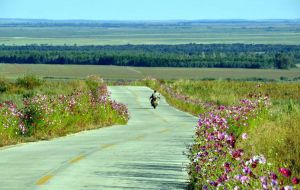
{"points": [[46, 110]]}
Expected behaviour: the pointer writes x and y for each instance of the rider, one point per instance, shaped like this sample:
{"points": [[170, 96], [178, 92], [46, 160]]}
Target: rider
{"points": [[154, 98]]}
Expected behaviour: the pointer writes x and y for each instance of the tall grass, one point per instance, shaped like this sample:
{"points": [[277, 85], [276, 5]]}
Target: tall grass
{"points": [[55, 109]]}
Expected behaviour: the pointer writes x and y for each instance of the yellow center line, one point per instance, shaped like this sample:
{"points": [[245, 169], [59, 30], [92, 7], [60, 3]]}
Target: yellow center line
{"points": [[44, 180], [185, 125], [105, 146], [140, 137], [164, 130], [76, 159], [159, 116]]}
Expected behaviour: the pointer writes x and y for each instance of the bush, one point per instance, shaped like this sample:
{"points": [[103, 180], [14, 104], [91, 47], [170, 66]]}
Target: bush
{"points": [[4, 85], [28, 94], [284, 78], [29, 82]]}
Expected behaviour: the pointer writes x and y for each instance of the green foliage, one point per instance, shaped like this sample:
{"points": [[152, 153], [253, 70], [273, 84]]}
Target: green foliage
{"points": [[93, 82], [276, 137], [58, 108], [4, 85], [28, 94], [9, 122], [186, 55], [29, 82], [284, 61]]}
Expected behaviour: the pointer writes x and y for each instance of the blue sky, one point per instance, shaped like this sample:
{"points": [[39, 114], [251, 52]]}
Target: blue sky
{"points": [[150, 9]]}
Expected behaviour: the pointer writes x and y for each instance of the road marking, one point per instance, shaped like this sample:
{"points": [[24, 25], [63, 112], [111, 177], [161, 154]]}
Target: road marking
{"points": [[138, 138], [159, 116], [44, 180], [105, 146], [76, 159], [136, 96], [164, 130], [185, 125]]}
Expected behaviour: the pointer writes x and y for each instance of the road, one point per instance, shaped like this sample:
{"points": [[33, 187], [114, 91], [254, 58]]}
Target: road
{"points": [[147, 153]]}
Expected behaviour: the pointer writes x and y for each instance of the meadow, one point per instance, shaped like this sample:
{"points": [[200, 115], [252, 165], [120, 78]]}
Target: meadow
{"points": [[109, 33], [246, 134], [115, 73]]}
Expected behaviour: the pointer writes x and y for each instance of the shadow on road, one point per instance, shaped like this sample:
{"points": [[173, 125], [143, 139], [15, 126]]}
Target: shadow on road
{"points": [[162, 175]]}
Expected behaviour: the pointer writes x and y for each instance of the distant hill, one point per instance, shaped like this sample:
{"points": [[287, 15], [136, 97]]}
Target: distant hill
{"points": [[136, 23]]}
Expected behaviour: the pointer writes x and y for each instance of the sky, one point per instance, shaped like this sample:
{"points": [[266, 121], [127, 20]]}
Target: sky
{"points": [[150, 9]]}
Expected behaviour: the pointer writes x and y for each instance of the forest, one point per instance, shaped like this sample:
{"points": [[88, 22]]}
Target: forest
{"points": [[185, 55]]}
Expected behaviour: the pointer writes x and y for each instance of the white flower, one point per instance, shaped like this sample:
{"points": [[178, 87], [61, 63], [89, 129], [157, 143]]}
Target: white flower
{"points": [[244, 136]]}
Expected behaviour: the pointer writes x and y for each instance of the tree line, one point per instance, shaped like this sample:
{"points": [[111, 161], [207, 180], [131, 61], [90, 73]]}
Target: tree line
{"points": [[186, 55]]}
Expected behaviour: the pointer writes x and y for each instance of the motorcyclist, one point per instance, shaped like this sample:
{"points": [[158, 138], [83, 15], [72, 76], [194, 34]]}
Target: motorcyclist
{"points": [[155, 99]]}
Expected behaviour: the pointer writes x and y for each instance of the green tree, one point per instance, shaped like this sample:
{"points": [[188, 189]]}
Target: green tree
{"points": [[283, 61]]}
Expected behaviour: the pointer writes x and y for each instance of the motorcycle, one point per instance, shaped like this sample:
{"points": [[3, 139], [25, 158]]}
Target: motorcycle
{"points": [[154, 101]]}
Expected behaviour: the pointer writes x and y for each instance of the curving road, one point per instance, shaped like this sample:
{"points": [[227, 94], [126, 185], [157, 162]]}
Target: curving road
{"points": [[147, 153]]}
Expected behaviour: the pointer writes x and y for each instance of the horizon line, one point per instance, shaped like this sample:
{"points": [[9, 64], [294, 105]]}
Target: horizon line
{"points": [[155, 20]]}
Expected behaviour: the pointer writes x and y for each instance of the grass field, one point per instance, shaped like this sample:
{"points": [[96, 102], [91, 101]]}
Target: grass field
{"points": [[162, 33], [12, 71]]}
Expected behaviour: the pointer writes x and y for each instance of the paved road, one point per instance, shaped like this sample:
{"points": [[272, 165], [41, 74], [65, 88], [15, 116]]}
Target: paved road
{"points": [[147, 153]]}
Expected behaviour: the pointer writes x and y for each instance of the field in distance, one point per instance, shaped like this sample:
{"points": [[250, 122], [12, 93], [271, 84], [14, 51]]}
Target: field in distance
{"points": [[61, 72], [15, 32]]}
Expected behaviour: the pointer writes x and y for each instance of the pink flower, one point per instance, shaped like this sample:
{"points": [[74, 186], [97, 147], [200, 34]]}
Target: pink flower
{"points": [[246, 170], [286, 172], [221, 136], [244, 179], [237, 154], [295, 180], [273, 176]]}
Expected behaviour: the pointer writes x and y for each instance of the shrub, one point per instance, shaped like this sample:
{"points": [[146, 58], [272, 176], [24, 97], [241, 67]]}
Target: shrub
{"points": [[29, 82], [4, 85]]}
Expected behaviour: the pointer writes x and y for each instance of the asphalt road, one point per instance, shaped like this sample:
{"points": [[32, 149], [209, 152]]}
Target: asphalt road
{"points": [[147, 153]]}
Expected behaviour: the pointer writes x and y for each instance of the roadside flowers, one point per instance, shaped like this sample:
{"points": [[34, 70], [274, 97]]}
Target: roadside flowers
{"points": [[10, 120], [295, 180], [244, 136], [60, 113], [224, 165], [286, 172]]}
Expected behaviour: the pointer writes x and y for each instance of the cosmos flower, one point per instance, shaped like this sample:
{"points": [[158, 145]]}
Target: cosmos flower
{"points": [[286, 172], [295, 180], [244, 136]]}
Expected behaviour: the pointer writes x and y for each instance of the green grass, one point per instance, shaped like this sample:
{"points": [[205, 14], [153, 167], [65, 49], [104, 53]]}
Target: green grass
{"points": [[200, 33], [32, 109], [230, 92], [62, 72]]}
